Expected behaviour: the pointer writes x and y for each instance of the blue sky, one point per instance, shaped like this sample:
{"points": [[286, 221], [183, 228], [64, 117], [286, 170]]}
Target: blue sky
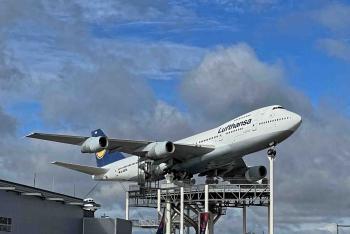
{"points": [[286, 32], [162, 70]]}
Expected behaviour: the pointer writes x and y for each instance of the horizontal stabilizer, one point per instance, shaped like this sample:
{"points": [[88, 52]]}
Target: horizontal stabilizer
{"points": [[84, 169]]}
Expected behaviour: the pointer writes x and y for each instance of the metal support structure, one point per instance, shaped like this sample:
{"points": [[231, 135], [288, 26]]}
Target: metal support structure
{"points": [[206, 198], [188, 215], [126, 205], [168, 217], [212, 198], [206, 204], [271, 205], [340, 225], [158, 205], [182, 210], [244, 219]]}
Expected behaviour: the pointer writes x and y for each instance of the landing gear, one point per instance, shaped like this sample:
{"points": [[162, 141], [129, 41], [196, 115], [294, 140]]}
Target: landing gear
{"points": [[211, 180], [271, 152]]}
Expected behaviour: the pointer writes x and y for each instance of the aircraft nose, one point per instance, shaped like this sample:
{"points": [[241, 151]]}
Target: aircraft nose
{"points": [[297, 120]]}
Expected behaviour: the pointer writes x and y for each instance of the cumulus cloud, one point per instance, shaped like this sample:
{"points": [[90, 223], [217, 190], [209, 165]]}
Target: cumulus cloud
{"points": [[50, 58], [311, 171], [49, 55], [233, 80], [8, 123]]}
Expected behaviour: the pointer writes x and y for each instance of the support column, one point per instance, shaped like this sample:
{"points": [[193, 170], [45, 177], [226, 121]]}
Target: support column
{"points": [[188, 214], [271, 206], [168, 216], [127, 205], [206, 204], [268, 219], [182, 210], [158, 205], [244, 219], [169, 181]]}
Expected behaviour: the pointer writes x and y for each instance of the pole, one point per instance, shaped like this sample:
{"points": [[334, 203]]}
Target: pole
{"points": [[188, 214], [244, 219], [127, 205], [158, 205], [168, 216], [169, 180], [206, 204], [271, 207], [182, 210], [268, 219]]}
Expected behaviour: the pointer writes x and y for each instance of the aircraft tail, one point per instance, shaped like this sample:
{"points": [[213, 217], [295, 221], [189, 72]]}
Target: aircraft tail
{"points": [[105, 157]]}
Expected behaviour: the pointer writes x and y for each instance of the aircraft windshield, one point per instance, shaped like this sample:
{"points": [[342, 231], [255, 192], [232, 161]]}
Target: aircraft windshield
{"points": [[277, 107]]}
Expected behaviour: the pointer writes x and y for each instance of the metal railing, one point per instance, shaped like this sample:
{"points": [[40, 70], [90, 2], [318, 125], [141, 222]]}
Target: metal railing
{"points": [[228, 195]]}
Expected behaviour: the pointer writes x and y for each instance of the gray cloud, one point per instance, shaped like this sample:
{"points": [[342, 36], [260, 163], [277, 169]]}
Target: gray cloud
{"points": [[233, 80], [312, 169], [81, 82], [8, 124]]}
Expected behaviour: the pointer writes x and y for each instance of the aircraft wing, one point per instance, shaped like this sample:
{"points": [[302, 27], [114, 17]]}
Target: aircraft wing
{"points": [[67, 139], [184, 151], [84, 169], [135, 147]]}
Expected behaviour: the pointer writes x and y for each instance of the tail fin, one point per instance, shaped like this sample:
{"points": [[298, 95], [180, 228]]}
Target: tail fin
{"points": [[105, 157]]}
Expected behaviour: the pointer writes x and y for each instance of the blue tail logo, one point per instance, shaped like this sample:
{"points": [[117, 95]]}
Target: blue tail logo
{"points": [[105, 157]]}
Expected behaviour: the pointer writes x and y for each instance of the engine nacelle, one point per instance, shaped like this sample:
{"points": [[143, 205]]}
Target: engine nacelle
{"points": [[256, 173], [160, 150], [94, 144]]}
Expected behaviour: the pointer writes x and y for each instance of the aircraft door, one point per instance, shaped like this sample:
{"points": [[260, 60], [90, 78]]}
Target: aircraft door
{"points": [[254, 125], [220, 138]]}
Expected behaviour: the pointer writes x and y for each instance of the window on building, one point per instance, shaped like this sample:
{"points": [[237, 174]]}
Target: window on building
{"points": [[5, 224]]}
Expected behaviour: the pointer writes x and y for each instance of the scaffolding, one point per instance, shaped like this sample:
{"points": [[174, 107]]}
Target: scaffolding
{"points": [[183, 203], [188, 202]]}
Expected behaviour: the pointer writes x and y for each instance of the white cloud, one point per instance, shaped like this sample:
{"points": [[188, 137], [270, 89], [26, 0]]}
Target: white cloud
{"points": [[335, 48], [233, 80], [334, 16], [311, 166]]}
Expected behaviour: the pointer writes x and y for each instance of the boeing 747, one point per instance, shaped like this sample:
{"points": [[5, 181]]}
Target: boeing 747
{"points": [[215, 153]]}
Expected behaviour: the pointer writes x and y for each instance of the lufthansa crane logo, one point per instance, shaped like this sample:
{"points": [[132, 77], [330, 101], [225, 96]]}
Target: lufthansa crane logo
{"points": [[101, 154]]}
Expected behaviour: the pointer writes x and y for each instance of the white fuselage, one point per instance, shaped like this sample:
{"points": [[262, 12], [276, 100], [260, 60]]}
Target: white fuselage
{"points": [[251, 132]]}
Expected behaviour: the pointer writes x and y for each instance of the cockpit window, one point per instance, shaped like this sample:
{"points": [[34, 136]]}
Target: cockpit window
{"points": [[277, 107]]}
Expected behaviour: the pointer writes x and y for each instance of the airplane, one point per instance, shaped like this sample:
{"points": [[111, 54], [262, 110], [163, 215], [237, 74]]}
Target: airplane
{"points": [[216, 153]]}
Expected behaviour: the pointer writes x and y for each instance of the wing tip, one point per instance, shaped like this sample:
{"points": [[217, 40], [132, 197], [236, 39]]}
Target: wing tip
{"points": [[31, 135]]}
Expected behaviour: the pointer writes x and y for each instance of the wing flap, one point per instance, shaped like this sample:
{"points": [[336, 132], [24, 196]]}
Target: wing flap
{"points": [[126, 146], [81, 168], [183, 151]]}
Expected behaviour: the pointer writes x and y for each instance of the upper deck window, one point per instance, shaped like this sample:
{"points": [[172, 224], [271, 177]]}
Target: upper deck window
{"points": [[277, 107]]}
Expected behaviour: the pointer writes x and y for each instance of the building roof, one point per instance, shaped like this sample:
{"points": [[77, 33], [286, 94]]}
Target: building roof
{"points": [[26, 190]]}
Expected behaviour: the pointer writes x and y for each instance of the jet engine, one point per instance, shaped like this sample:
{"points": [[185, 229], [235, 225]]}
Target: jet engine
{"points": [[256, 173], [160, 150], [94, 144]]}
